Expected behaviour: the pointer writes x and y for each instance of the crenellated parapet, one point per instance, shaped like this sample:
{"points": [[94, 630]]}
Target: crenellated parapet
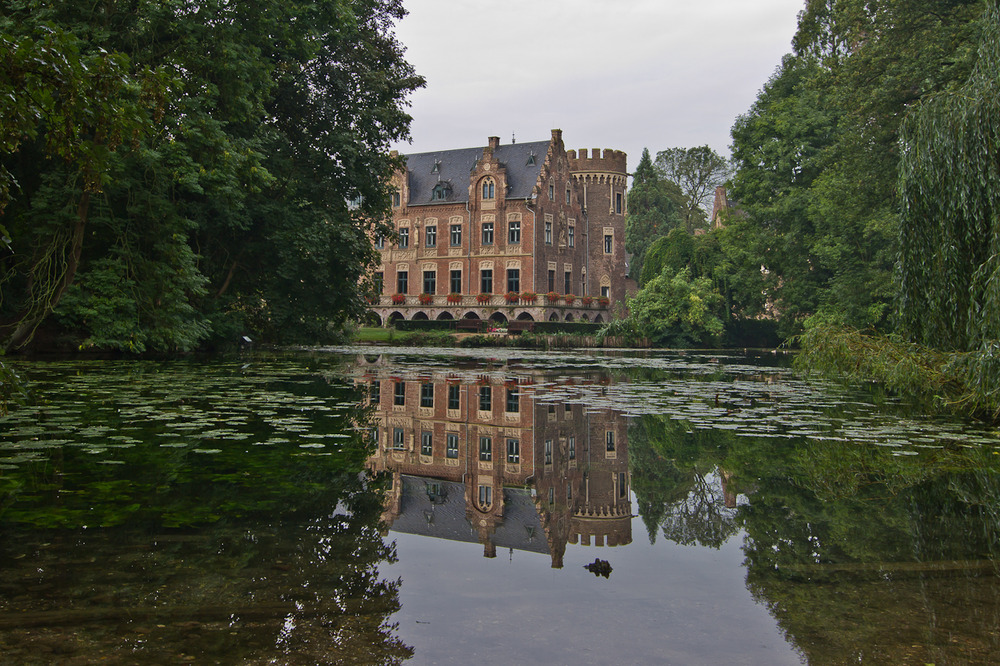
{"points": [[610, 164]]}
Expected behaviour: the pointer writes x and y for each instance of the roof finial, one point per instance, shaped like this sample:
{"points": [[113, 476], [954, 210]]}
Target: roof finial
{"points": [[512, 139]]}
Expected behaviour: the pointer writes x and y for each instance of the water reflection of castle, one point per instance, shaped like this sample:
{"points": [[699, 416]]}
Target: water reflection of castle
{"points": [[479, 457]]}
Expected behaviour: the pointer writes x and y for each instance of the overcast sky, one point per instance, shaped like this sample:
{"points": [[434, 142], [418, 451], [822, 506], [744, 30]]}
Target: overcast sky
{"points": [[624, 74]]}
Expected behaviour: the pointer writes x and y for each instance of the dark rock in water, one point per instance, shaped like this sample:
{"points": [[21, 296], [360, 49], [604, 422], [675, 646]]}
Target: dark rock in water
{"points": [[599, 568]]}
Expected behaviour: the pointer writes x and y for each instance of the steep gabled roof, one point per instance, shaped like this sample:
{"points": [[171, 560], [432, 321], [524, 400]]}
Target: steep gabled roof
{"points": [[454, 166]]}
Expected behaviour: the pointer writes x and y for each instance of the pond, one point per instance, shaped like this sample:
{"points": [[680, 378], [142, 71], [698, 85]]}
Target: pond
{"points": [[379, 505]]}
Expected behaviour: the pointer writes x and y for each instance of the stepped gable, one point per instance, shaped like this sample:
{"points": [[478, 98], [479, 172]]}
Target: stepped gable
{"points": [[522, 161]]}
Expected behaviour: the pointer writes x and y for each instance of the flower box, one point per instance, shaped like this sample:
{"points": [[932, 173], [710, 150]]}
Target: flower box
{"points": [[569, 298], [512, 297], [603, 301], [398, 299], [587, 300], [528, 296], [454, 298], [483, 298], [425, 299], [552, 296]]}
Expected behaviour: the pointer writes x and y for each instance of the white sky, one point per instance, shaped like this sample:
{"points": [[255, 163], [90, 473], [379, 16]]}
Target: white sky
{"points": [[623, 74]]}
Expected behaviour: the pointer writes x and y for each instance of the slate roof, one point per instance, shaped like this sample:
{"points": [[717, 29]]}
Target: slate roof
{"points": [[454, 167], [444, 517]]}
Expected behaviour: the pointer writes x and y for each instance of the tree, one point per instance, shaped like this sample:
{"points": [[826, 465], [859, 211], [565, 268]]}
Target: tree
{"points": [[654, 205], [696, 172], [231, 214]]}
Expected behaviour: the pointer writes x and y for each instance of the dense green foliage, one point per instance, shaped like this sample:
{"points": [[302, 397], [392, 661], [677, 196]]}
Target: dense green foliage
{"points": [[654, 205], [816, 156], [696, 172], [186, 176]]}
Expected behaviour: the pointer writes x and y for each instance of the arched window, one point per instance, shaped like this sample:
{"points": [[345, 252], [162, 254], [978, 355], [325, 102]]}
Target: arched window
{"points": [[489, 190]]}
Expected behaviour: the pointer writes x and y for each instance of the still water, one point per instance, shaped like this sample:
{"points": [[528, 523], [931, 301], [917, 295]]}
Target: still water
{"points": [[362, 505]]}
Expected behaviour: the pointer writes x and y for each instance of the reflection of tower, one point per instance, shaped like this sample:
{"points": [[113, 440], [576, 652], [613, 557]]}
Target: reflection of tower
{"points": [[583, 481]]}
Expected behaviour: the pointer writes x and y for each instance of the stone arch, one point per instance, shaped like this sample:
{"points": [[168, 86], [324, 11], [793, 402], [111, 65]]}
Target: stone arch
{"points": [[598, 319], [445, 316], [395, 316], [371, 318], [584, 317], [422, 316], [470, 315], [525, 316], [554, 316], [498, 317]]}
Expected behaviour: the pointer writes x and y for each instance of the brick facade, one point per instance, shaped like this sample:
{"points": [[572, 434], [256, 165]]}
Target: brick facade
{"points": [[489, 233]]}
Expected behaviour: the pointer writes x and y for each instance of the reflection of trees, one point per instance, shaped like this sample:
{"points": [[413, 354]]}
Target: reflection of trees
{"points": [[674, 480]]}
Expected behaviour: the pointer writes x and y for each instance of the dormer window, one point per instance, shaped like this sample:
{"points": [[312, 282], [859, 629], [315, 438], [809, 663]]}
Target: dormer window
{"points": [[440, 192], [488, 188], [437, 167], [531, 159]]}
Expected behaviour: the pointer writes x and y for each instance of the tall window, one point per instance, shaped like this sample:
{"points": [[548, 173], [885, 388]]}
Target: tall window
{"points": [[399, 393], [486, 448], [552, 193], [571, 453], [485, 398], [404, 238], [622, 484], [430, 235], [548, 452], [426, 394], [454, 396], [402, 280], [398, 439], [426, 443], [451, 450], [567, 196], [606, 291], [513, 451], [514, 279], [609, 438], [456, 281], [486, 281], [380, 242], [430, 282], [513, 400], [514, 231], [609, 243], [552, 280], [548, 232], [572, 236], [618, 202], [488, 190], [379, 282], [487, 233], [456, 235], [395, 199], [485, 496], [567, 283]]}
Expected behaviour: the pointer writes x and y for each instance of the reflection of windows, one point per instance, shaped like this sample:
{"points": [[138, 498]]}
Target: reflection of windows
{"points": [[569, 490], [567, 196], [402, 281], [485, 496], [513, 451], [456, 281], [452, 446], [609, 438], [426, 443], [514, 279], [430, 282], [572, 448], [430, 235], [374, 390], [453, 396], [374, 434], [404, 238], [513, 400], [399, 393], [398, 439], [552, 495], [514, 231], [427, 394], [485, 398], [486, 448], [548, 452], [487, 233], [486, 281], [456, 235]]}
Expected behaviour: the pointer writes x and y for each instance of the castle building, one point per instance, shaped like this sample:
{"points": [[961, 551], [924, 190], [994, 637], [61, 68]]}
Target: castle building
{"points": [[525, 231]]}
